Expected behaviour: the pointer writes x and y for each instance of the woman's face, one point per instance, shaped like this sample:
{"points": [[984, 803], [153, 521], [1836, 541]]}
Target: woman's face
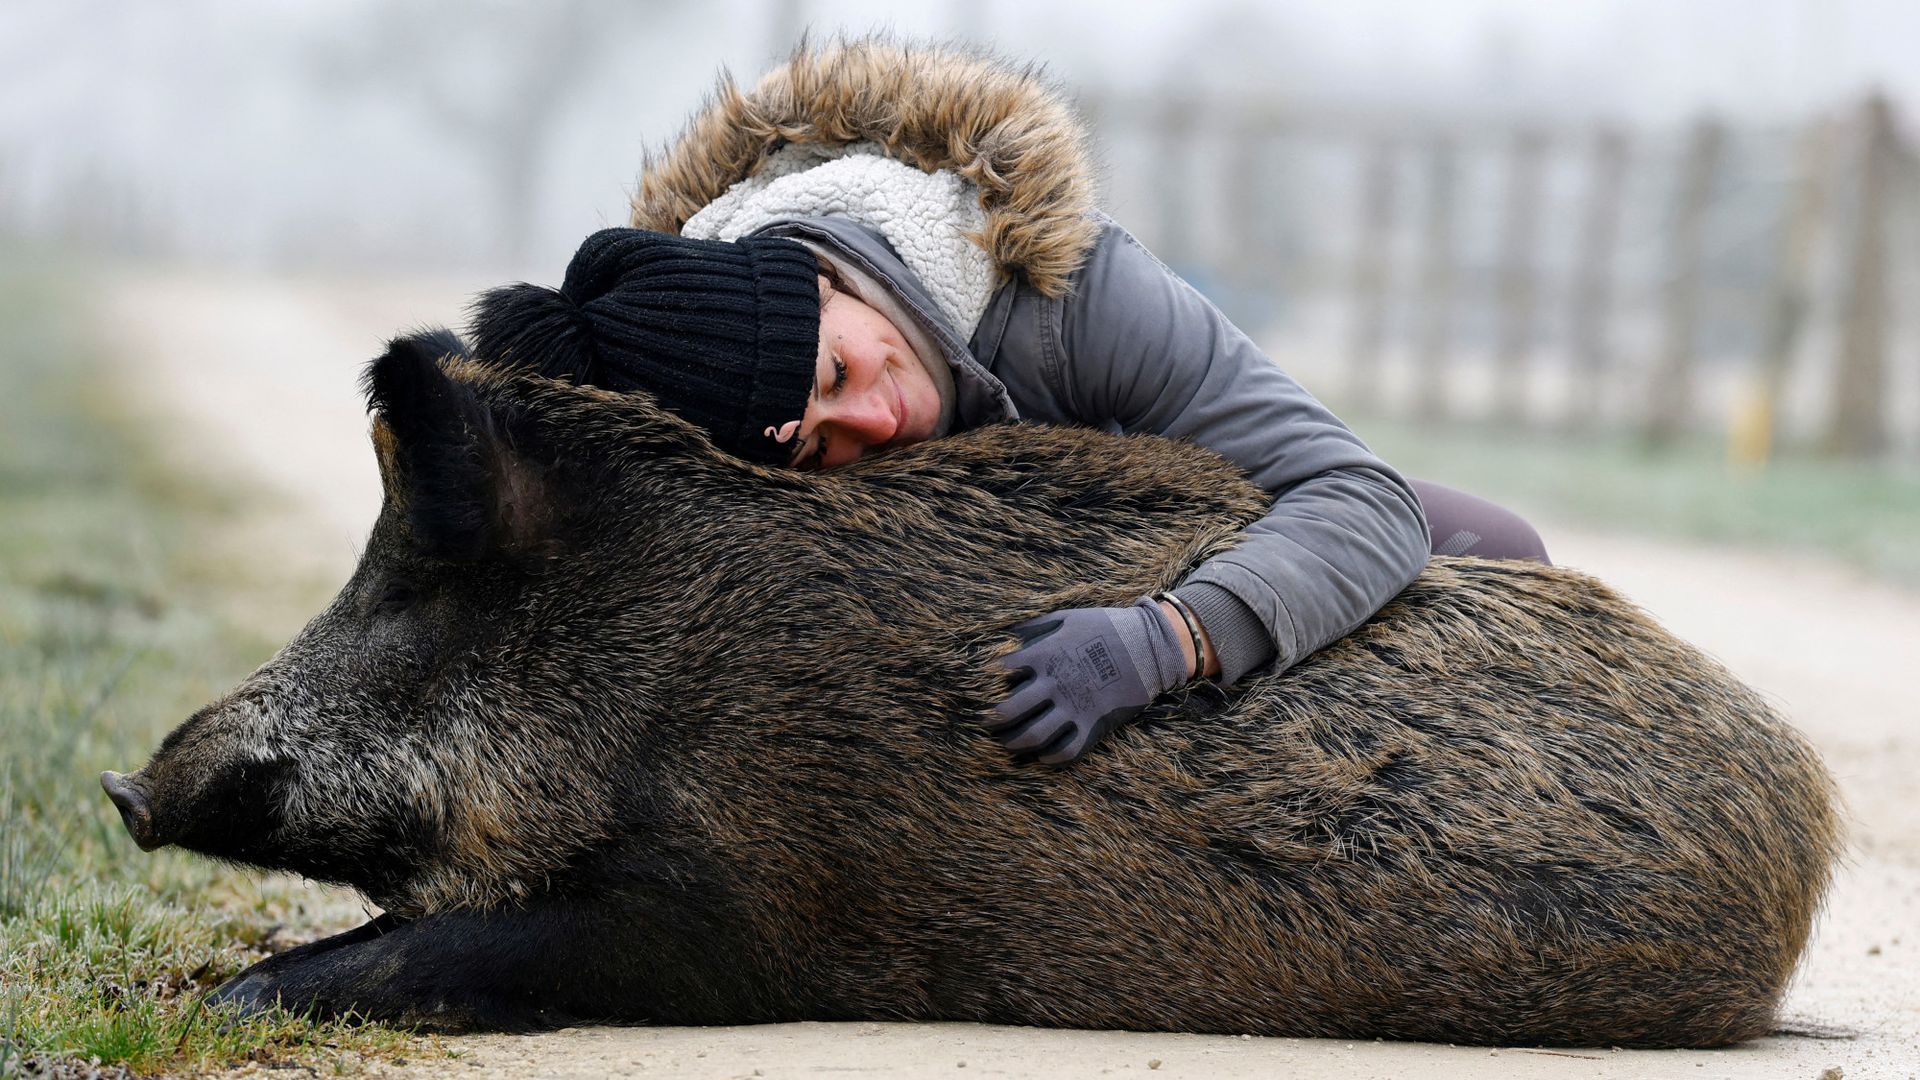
{"points": [[870, 393]]}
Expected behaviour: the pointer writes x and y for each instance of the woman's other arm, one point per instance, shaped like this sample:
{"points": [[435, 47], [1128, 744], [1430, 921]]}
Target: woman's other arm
{"points": [[1139, 348]]}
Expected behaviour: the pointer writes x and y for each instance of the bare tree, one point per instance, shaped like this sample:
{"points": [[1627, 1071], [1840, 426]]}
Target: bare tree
{"points": [[425, 51]]}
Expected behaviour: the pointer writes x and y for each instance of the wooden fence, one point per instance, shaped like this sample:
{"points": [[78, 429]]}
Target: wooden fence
{"points": [[1665, 282]]}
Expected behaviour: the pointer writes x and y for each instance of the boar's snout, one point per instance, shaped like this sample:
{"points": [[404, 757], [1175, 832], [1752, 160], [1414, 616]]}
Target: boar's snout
{"points": [[136, 810]]}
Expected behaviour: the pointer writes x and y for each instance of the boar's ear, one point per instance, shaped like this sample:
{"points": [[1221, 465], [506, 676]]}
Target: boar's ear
{"points": [[447, 456]]}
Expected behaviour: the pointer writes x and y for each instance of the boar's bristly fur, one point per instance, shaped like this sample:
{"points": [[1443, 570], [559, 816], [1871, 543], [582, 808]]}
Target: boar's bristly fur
{"points": [[618, 727]]}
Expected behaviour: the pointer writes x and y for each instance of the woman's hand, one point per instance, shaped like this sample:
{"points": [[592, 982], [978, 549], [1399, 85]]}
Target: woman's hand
{"points": [[1087, 671]]}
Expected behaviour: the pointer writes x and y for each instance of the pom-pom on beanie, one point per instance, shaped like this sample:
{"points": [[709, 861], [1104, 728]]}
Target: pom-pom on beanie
{"points": [[725, 334]]}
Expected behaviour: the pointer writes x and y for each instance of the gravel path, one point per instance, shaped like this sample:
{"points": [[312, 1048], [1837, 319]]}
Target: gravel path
{"points": [[260, 377]]}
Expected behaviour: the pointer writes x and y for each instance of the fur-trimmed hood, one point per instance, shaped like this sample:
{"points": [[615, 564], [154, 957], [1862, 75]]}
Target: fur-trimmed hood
{"points": [[996, 123]]}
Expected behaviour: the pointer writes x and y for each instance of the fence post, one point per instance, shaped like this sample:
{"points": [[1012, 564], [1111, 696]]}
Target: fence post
{"points": [[1249, 260], [1671, 393], [1175, 140], [1590, 311], [1858, 425], [10, 210], [1370, 274], [1790, 297], [1436, 282], [1516, 275], [1907, 157]]}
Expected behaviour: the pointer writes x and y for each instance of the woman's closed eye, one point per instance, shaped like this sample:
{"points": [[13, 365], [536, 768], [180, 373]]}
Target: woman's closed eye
{"points": [[817, 457]]}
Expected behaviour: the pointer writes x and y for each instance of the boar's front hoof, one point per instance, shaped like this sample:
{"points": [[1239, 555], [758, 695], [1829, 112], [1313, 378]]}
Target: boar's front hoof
{"points": [[432, 975], [250, 993], [254, 992], [303, 980]]}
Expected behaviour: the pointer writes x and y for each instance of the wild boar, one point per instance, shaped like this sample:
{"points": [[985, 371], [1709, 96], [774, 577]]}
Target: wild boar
{"points": [[616, 727]]}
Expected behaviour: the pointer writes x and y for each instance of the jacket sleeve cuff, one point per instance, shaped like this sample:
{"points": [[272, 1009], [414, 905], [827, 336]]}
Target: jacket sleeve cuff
{"points": [[1240, 641]]}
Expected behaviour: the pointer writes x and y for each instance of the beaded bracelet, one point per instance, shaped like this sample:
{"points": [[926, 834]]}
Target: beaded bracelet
{"points": [[1193, 631]]}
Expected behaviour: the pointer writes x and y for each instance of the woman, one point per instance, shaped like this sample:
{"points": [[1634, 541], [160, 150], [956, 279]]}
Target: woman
{"points": [[883, 244]]}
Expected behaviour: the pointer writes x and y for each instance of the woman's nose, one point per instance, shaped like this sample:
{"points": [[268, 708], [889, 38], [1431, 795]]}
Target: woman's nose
{"points": [[866, 418]]}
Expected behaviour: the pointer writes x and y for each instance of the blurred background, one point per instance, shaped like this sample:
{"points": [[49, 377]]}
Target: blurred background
{"points": [[1686, 230], [1647, 271]]}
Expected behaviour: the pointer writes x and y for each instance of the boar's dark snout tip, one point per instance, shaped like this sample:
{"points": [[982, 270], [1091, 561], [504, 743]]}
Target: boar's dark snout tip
{"points": [[135, 811]]}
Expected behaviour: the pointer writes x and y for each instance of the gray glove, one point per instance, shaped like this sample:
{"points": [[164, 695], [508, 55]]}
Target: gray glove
{"points": [[1088, 670]]}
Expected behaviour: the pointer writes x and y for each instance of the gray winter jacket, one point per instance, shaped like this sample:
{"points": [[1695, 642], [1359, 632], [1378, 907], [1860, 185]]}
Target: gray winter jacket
{"points": [[1087, 328], [1134, 348]]}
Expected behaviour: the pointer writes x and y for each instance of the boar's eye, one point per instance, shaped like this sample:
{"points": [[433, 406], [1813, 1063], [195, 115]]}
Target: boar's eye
{"points": [[398, 596]]}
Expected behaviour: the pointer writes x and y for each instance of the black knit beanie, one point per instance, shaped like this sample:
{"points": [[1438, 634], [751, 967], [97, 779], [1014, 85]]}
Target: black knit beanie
{"points": [[724, 334]]}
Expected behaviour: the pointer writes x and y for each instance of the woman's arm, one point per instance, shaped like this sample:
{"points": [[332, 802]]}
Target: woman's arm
{"points": [[1140, 349]]}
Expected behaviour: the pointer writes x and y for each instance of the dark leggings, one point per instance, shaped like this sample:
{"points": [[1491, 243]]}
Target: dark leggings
{"points": [[1466, 524]]}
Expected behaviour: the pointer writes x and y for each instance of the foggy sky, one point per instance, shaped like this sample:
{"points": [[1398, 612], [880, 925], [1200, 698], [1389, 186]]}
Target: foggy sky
{"points": [[251, 130]]}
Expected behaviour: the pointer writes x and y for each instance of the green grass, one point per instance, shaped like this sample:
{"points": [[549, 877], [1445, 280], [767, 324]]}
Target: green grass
{"points": [[113, 584], [1863, 514]]}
